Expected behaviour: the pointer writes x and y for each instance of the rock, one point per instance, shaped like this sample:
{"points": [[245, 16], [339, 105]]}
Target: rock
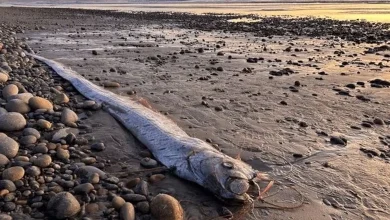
{"points": [[378, 121], [117, 202], [17, 105], [87, 171], [3, 160], [142, 188], [9, 206], [2, 111], [3, 77], [12, 121], [8, 146], [10, 90], [89, 160], [94, 178], [134, 198], [98, 147], [62, 154], [156, 178], [31, 131], [84, 188], [63, 205], [127, 212], [164, 206], [5, 216], [25, 97], [40, 103], [29, 139], [148, 162], [33, 171], [42, 161], [68, 117], [133, 182], [8, 185], [13, 173], [61, 98], [143, 207], [338, 140], [44, 124], [111, 84], [62, 133]]}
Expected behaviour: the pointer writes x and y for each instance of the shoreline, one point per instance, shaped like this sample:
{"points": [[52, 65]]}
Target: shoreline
{"points": [[241, 97]]}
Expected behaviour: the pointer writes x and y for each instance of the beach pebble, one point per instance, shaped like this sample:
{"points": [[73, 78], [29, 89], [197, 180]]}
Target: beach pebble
{"points": [[134, 198], [5, 217], [87, 171], [155, 178], [63, 205], [29, 139], [42, 161], [44, 124], [3, 77], [62, 133], [3, 160], [10, 90], [40, 103], [17, 105], [12, 121], [338, 140], [8, 146], [133, 182], [127, 212], [25, 97], [13, 173], [143, 207], [62, 154], [68, 117], [148, 162], [111, 84], [33, 171], [8, 185], [378, 121], [164, 206], [84, 188], [142, 188], [2, 111], [117, 202], [98, 147], [31, 131], [94, 178], [61, 98]]}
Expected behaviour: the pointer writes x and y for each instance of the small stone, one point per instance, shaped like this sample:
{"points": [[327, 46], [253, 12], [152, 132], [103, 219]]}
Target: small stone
{"points": [[87, 171], [40, 103], [156, 178], [29, 139], [148, 162], [9, 206], [127, 212], [134, 198], [5, 216], [218, 108], [337, 140], [63, 205], [378, 121], [98, 147], [31, 131], [142, 188], [89, 160], [10, 90], [3, 160], [44, 124], [62, 154], [143, 207], [164, 206], [68, 117], [111, 84], [25, 97], [61, 98], [13, 173], [12, 121], [17, 105], [7, 184], [42, 161], [3, 77], [84, 188], [94, 178], [117, 202], [8, 146], [303, 124], [133, 182], [33, 171]]}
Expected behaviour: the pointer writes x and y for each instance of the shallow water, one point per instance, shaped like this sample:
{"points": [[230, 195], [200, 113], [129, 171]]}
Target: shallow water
{"points": [[341, 11]]}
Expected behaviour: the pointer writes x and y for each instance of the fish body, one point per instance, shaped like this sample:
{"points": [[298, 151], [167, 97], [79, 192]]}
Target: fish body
{"points": [[190, 158]]}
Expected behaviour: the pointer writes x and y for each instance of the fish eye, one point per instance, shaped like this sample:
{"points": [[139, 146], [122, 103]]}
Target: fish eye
{"points": [[239, 186], [229, 165]]}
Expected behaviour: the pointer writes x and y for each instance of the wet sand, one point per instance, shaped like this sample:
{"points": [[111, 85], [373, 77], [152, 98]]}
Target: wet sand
{"points": [[280, 102]]}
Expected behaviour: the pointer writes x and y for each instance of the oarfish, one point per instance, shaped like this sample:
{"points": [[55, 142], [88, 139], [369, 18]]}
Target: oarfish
{"points": [[189, 158]]}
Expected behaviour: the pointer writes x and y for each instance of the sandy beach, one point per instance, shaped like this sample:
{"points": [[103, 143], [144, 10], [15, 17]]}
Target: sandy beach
{"points": [[304, 100]]}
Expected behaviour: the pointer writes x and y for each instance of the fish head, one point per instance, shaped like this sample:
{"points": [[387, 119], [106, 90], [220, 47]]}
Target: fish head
{"points": [[229, 179]]}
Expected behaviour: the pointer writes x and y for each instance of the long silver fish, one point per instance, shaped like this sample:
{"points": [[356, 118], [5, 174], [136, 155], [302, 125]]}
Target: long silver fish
{"points": [[189, 158]]}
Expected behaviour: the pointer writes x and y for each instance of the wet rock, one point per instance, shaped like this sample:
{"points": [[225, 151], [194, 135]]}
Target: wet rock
{"points": [[142, 188], [143, 207], [17, 105], [33, 171], [8, 146], [31, 131], [63, 205], [42, 161], [127, 212], [155, 178], [117, 202], [10, 90], [62, 154], [164, 206], [25, 97], [98, 147], [378, 121], [3, 77], [94, 178], [68, 117], [111, 84], [13, 173], [29, 139], [134, 198], [40, 103], [8, 185], [12, 121], [133, 182], [338, 140], [87, 171], [62, 133], [5, 217], [61, 98]]}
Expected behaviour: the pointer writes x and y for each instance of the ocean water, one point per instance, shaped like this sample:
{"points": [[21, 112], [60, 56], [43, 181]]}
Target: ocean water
{"points": [[342, 11]]}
